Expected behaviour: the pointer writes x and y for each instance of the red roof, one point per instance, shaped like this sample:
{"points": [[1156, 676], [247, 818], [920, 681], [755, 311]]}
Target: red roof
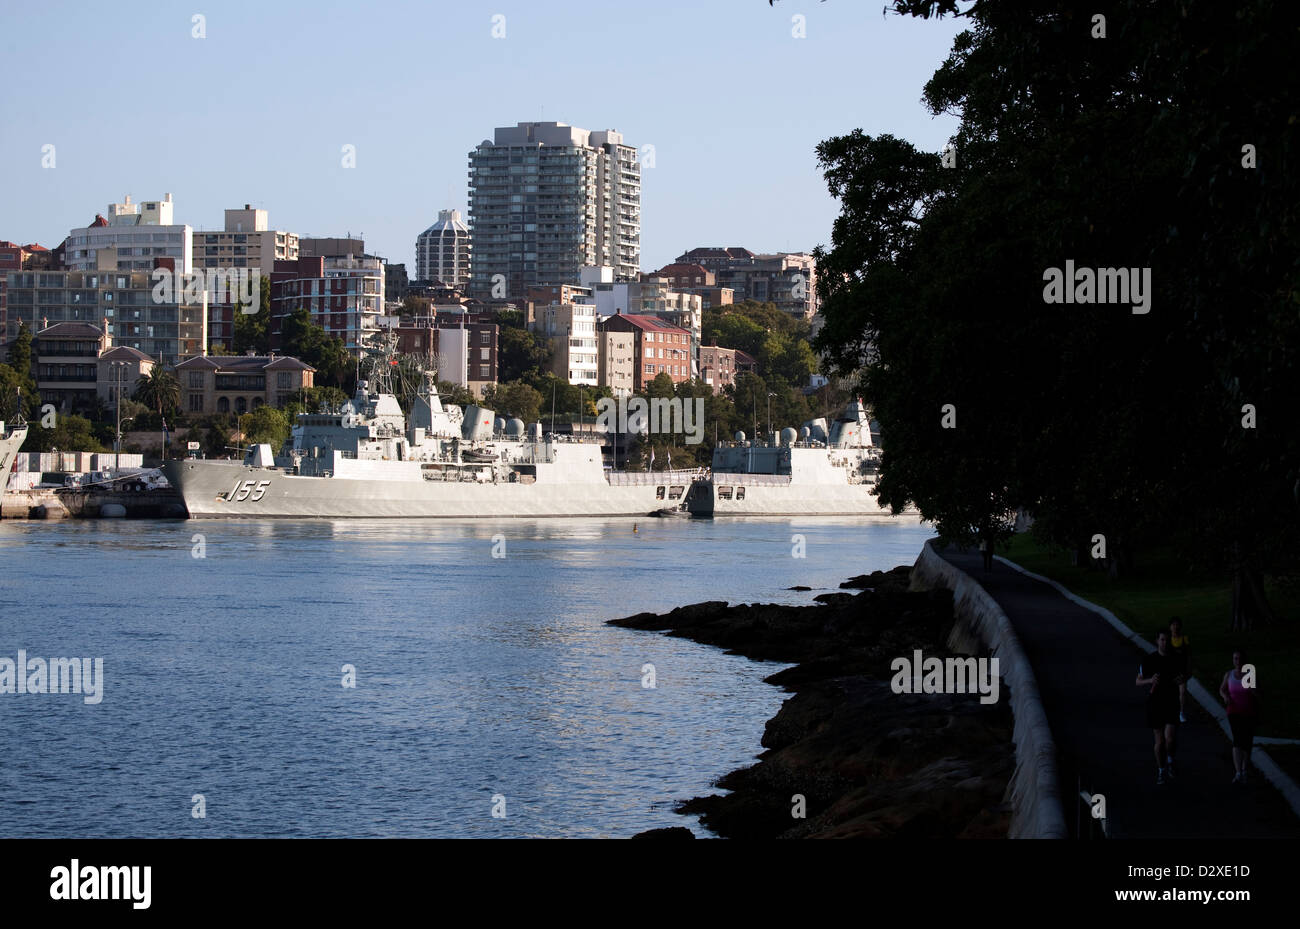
{"points": [[648, 323], [99, 221]]}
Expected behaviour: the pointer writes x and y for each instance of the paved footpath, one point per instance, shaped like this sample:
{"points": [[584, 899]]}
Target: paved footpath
{"points": [[1085, 672]]}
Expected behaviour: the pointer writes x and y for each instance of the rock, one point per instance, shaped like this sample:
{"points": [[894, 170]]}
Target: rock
{"points": [[867, 762], [799, 588], [671, 832]]}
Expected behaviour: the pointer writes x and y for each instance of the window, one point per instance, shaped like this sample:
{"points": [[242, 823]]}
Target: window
{"points": [[196, 380], [740, 493], [223, 405], [282, 379], [659, 493], [484, 371], [241, 405], [196, 403], [675, 492], [483, 354], [724, 492]]}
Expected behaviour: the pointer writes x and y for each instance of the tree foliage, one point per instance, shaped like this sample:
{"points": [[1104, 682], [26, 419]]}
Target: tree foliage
{"points": [[1125, 152], [303, 339]]}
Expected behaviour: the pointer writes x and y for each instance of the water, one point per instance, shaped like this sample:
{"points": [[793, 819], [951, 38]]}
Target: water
{"points": [[476, 677]]}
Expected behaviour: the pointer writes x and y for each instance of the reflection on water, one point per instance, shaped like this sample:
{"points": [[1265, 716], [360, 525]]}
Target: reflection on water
{"points": [[475, 675]]}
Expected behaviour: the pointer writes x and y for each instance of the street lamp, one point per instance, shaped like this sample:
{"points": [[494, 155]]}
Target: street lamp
{"points": [[118, 370], [769, 415]]}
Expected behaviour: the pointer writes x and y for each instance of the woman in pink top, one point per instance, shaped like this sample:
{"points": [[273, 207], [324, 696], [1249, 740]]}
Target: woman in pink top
{"points": [[1243, 712]]}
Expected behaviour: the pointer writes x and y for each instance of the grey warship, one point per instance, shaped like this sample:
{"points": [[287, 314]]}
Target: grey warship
{"points": [[369, 460]]}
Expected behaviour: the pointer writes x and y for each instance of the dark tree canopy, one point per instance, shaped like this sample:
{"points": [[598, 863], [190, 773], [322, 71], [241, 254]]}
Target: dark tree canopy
{"points": [[1164, 146]]}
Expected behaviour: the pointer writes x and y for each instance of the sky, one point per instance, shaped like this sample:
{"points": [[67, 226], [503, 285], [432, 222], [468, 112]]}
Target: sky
{"points": [[259, 109]]}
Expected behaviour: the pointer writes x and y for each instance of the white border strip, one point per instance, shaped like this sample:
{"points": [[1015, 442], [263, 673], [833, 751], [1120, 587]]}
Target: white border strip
{"points": [[1258, 757]]}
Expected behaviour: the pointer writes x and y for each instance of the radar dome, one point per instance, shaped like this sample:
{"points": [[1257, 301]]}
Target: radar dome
{"points": [[515, 427], [499, 426], [788, 435], [740, 436]]}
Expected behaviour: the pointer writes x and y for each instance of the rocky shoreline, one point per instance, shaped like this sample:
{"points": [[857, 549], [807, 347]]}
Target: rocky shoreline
{"points": [[868, 762]]}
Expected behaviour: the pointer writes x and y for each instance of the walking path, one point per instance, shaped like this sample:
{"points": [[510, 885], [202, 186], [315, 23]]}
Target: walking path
{"points": [[1085, 668]]}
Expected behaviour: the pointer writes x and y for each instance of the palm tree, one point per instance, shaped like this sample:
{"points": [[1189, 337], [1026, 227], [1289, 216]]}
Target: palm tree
{"points": [[159, 390]]}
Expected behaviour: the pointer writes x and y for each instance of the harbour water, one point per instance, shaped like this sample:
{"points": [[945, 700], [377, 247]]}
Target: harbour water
{"points": [[477, 677]]}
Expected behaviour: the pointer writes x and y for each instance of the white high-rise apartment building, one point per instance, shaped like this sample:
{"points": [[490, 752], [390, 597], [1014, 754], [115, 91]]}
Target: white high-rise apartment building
{"points": [[442, 252], [548, 199], [129, 238]]}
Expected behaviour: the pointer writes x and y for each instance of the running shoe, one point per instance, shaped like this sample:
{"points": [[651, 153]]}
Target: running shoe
{"points": [[1160, 776]]}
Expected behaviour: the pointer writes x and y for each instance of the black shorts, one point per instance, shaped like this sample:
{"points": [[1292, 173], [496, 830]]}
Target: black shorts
{"points": [[1161, 713], [1243, 730]]}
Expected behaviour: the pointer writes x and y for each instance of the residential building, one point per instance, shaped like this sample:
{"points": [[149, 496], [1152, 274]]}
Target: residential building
{"points": [[720, 366], [315, 247], [129, 238], [686, 276], [571, 330], [617, 359], [787, 279], [239, 384], [123, 301], [546, 200], [657, 348], [247, 241], [344, 295], [396, 283], [120, 365], [442, 252], [462, 346], [66, 359]]}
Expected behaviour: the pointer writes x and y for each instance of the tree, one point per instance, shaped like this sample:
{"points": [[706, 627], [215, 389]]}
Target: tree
{"points": [[301, 338], [253, 330], [1125, 153], [70, 434], [514, 399], [520, 354], [20, 350], [16, 377], [266, 425], [159, 391]]}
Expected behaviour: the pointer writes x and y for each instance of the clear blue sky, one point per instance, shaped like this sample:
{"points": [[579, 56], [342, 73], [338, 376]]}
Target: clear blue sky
{"points": [[259, 110]]}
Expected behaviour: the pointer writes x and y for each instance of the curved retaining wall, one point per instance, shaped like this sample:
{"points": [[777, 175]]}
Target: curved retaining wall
{"points": [[1037, 812]]}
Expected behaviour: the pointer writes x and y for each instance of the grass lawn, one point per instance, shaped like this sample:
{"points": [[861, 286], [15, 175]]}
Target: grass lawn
{"points": [[1159, 588]]}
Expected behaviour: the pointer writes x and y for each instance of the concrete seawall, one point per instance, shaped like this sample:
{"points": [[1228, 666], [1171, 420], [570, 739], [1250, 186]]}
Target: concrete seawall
{"points": [[1037, 811]]}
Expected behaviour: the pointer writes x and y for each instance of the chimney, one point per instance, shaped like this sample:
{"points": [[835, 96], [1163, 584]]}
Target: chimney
{"points": [[108, 338]]}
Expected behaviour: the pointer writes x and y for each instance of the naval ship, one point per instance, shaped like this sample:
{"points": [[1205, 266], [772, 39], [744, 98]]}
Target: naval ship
{"points": [[10, 441], [368, 460], [819, 470]]}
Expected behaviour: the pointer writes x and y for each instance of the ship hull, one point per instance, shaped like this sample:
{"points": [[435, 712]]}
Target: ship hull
{"points": [[9, 446], [220, 489], [721, 497]]}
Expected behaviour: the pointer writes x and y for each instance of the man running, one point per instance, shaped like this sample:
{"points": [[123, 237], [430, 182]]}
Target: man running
{"points": [[1161, 671]]}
